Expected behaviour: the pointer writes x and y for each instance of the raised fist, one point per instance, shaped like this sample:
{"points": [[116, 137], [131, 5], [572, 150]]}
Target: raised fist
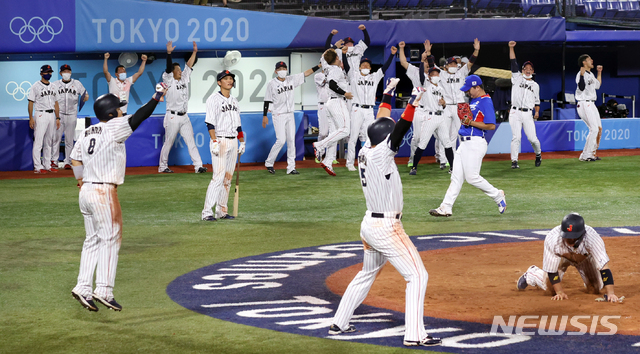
{"points": [[107, 55], [401, 44], [361, 27], [599, 68], [334, 32], [394, 50], [143, 57], [512, 44]]}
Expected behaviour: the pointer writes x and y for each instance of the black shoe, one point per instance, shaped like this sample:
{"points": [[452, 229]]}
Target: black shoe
{"points": [[166, 170], [227, 216], [450, 170], [111, 304], [294, 172], [271, 170], [336, 330], [427, 342], [209, 218], [514, 164], [598, 158], [538, 160], [86, 302], [443, 166], [590, 159], [200, 170], [413, 171]]}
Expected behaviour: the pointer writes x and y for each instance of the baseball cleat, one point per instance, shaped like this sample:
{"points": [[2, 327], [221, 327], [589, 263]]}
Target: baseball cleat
{"points": [[351, 168], [67, 167], [450, 170], [391, 86], [522, 282], [54, 164], [334, 329], [40, 171], [590, 159], [443, 166], [317, 153], [502, 204], [293, 172], [335, 162], [514, 164], [439, 212], [227, 216], [597, 158], [110, 304], [166, 170], [317, 161], [201, 170], [86, 302], [271, 170], [413, 171], [328, 169], [53, 169], [538, 160], [427, 342], [209, 218], [410, 164]]}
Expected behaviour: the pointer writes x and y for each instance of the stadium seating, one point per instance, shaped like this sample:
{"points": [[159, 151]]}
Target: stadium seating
{"points": [[538, 7]]}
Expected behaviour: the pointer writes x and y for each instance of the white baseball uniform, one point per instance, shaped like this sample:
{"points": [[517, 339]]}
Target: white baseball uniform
{"points": [[588, 112], [101, 150], [121, 89], [364, 98], [354, 54], [176, 119], [525, 95], [384, 239], [324, 125], [451, 84], [280, 94], [44, 97], [223, 113], [589, 258], [68, 97]]}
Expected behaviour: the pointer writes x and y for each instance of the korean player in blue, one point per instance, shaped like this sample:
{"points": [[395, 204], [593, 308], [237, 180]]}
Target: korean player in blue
{"points": [[477, 118]]}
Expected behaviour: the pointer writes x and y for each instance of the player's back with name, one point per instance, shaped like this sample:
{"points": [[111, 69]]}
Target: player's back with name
{"points": [[380, 179], [223, 113]]}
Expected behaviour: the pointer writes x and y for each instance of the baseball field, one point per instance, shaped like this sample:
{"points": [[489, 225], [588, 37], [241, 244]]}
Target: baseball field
{"points": [[42, 233]]}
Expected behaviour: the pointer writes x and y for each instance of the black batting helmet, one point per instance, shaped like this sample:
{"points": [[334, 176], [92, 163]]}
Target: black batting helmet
{"points": [[572, 228], [106, 106], [380, 129]]}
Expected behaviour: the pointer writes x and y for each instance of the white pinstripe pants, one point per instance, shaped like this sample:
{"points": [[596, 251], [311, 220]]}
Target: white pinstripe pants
{"points": [[284, 125], [338, 114], [418, 120], [434, 124], [324, 127], [517, 121], [68, 124], [103, 224], [587, 269], [223, 166], [385, 239], [588, 112], [360, 120], [43, 136], [174, 124]]}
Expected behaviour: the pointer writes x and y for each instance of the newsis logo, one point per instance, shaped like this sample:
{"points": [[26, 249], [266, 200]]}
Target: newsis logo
{"points": [[585, 324], [36, 27]]}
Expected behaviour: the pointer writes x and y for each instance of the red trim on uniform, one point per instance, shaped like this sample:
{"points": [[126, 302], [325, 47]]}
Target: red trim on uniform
{"points": [[385, 105], [479, 117], [240, 135], [408, 113]]}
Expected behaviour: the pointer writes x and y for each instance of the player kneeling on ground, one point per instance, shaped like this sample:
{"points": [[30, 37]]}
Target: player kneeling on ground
{"points": [[572, 243], [98, 160], [381, 230]]}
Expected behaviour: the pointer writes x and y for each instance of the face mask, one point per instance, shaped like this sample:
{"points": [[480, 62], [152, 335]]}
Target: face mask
{"points": [[365, 71], [46, 76], [527, 76], [122, 76], [282, 74], [435, 80], [452, 69], [459, 66], [66, 76]]}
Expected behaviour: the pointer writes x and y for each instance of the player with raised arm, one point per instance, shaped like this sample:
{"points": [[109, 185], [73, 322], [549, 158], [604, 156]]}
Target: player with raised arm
{"points": [[99, 162], [121, 84], [176, 119]]}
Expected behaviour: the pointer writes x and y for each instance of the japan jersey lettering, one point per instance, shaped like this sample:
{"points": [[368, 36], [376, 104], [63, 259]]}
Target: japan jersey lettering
{"points": [[68, 95], [177, 96], [451, 84], [223, 113], [524, 93], [365, 87], [43, 96], [280, 93]]}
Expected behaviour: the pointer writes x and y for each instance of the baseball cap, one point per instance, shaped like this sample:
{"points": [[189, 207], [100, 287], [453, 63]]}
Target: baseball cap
{"points": [[65, 67], [470, 81], [348, 39], [572, 226], [527, 63], [456, 57], [46, 69], [281, 64], [432, 69], [225, 73], [365, 60], [464, 60], [451, 60]]}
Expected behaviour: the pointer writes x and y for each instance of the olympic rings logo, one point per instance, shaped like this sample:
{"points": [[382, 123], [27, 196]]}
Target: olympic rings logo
{"points": [[29, 26], [16, 90]]}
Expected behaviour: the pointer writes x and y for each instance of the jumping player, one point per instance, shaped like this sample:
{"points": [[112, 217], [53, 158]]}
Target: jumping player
{"points": [[525, 99], [44, 121], [381, 230], [68, 93], [587, 110], [473, 147], [223, 122], [364, 85], [176, 119], [576, 244], [99, 161], [324, 125], [354, 51], [121, 85], [280, 94]]}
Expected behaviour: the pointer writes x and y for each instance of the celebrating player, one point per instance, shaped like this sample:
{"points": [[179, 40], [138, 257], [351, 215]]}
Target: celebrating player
{"points": [[223, 122], [525, 99], [576, 244], [336, 108], [280, 94], [381, 230], [324, 124], [354, 51], [99, 161], [176, 119], [122, 84], [364, 85], [69, 91], [479, 116], [43, 99], [587, 110]]}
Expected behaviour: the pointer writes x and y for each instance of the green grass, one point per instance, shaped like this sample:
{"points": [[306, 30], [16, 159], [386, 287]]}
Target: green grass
{"points": [[42, 233]]}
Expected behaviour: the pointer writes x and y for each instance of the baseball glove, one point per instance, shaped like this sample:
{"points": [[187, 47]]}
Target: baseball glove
{"points": [[464, 113]]}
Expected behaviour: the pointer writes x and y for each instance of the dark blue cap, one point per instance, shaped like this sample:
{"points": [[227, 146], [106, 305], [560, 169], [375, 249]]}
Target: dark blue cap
{"points": [[225, 73], [281, 64], [471, 81], [46, 69], [348, 39], [365, 60], [65, 67]]}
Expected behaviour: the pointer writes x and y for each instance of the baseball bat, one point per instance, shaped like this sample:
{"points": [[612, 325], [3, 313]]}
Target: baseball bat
{"points": [[237, 192]]}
